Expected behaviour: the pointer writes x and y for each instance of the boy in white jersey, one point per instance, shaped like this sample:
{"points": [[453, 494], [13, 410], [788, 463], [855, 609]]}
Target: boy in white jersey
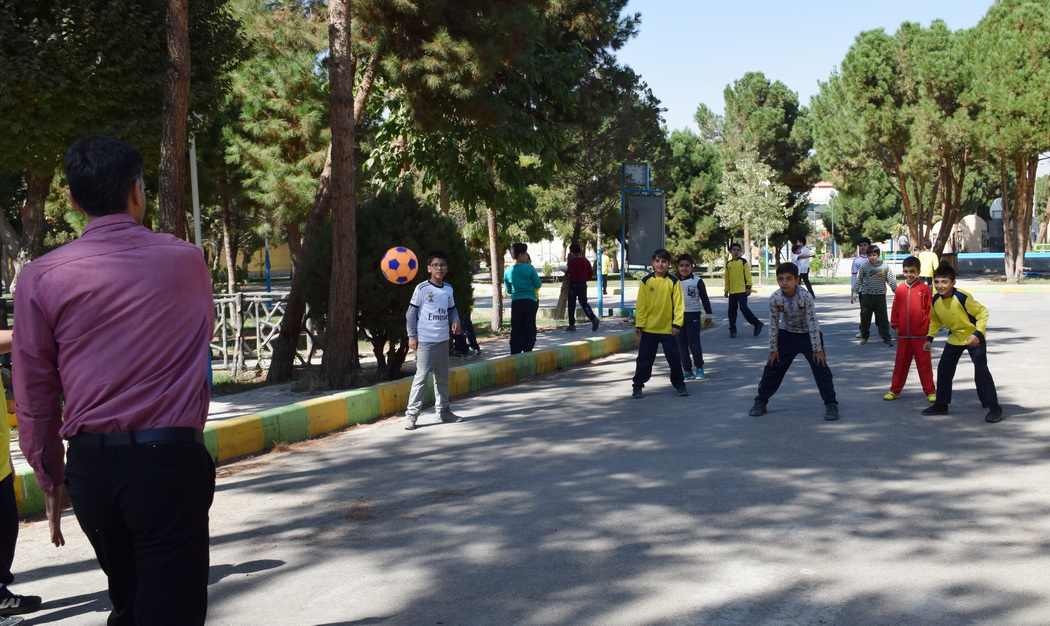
{"points": [[430, 311], [694, 294], [794, 330]]}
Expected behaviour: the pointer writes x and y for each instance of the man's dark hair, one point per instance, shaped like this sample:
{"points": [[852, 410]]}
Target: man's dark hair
{"points": [[874, 250], [660, 253], [796, 249], [574, 248], [734, 245], [684, 257], [436, 254], [801, 241], [864, 240], [927, 244], [944, 270], [912, 261], [518, 249], [787, 268], [101, 172]]}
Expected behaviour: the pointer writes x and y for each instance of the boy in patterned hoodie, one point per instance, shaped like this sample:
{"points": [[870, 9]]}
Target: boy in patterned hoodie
{"points": [[794, 330]]}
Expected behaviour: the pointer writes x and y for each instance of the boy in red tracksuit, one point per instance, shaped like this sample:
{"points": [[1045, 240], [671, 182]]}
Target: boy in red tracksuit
{"points": [[910, 318]]}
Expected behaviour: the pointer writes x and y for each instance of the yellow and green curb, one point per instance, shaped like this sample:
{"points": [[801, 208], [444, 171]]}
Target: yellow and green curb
{"points": [[235, 437]]}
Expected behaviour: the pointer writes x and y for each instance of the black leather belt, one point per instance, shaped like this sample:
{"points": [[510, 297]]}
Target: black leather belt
{"points": [[157, 435]]}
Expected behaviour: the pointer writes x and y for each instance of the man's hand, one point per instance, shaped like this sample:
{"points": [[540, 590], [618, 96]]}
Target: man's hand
{"points": [[413, 343], [748, 292], [726, 294], [638, 332], [774, 356], [54, 501], [455, 328], [820, 359], [675, 331], [852, 298], [927, 345], [973, 340]]}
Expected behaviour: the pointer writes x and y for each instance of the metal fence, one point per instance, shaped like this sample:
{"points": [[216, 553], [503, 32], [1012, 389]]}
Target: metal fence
{"points": [[245, 327]]}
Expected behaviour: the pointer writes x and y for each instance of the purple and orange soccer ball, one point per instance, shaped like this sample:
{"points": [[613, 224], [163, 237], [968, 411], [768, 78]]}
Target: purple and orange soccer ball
{"points": [[399, 265]]}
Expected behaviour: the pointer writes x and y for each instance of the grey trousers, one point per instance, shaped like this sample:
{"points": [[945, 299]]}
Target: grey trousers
{"points": [[431, 358]]}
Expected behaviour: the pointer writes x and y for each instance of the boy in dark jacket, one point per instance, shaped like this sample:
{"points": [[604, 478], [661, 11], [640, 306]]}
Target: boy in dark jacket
{"points": [[578, 273]]}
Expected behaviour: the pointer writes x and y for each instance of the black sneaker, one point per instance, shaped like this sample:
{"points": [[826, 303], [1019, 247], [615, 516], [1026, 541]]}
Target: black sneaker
{"points": [[637, 393], [887, 343], [831, 411], [936, 409], [570, 329], [14, 604], [758, 328], [682, 391], [995, 414], [594, 324], [732, 334], [758, 409]]}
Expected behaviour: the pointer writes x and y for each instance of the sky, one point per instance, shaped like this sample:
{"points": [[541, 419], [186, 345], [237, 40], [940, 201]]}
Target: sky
{"points": [[688, 51]]}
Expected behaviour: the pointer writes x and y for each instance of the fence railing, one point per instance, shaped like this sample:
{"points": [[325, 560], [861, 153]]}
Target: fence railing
{"points": [[245, 327]]}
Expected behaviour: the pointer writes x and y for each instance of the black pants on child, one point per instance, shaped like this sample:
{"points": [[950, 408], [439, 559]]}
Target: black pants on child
{"points": [[523, 325], [981, 376], [466, 338], [8, 527], [689, 341], [740, 300], [804, 277], [792, 344], [643, 368], [578, 293], [874, 303]]}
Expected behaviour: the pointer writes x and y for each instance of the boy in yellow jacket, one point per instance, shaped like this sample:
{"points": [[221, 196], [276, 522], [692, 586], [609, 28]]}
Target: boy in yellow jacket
{"points": [[658, 318], [967, 320], [738, 288]]}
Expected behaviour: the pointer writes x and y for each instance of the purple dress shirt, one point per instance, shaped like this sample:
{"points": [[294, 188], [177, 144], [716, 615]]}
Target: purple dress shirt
{"points": [[118, 321]]}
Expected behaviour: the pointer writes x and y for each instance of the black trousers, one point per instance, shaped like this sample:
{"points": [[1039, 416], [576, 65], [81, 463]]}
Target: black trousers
{"points": [[144, 508], [643, 365], [8, 528], [791, 345], [804, 277], [523, 325], [578, 293], [982, 377], [739, 300]]}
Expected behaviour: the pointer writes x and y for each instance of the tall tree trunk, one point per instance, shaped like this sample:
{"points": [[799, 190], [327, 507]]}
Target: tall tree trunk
{"points": [[1017, 232], [444, 200], [496, 263], [340, 349], [173, 125], [1046, 220], [746, 244], [34, 224], [282, 361], [293, 234], [227, 243]]}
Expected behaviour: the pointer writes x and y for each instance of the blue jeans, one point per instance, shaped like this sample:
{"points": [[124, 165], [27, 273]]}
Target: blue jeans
{"points": [[643, 369], [689, 341]]}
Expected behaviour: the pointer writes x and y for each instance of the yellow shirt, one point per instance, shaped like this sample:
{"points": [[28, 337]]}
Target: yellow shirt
{"points": [[661, 306], [961, 313], [927, 263], [737, 275]]}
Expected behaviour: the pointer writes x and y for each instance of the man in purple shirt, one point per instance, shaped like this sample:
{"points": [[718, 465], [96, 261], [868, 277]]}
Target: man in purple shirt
{"points": [[118, 322]]}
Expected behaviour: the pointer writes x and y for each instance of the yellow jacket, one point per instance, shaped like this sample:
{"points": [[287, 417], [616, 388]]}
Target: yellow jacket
{"points": [[961, 313], [737, 275], [660, 305]]}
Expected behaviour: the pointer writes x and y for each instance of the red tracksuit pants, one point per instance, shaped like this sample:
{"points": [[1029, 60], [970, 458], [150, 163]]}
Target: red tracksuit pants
{"points": [[908, 349]]}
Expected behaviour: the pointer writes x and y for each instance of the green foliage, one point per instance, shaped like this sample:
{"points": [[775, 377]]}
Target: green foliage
{"points": [[749, 195], [394, 219], [690, 174], [70, 68], [279, 101]]}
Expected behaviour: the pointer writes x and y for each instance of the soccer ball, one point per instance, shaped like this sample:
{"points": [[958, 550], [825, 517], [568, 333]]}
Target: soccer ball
{"points": [[399, 265]]}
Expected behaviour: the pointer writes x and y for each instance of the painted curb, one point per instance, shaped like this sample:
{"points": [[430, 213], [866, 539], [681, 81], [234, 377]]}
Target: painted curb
{"points": [[240, 436]]}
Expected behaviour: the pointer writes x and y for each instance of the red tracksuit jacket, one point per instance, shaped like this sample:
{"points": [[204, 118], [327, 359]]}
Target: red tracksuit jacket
{"points": [[911, 310]]}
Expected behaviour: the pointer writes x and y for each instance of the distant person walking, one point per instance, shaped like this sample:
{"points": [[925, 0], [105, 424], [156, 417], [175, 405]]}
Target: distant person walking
{"points": [[927, 262], [578, 273]]}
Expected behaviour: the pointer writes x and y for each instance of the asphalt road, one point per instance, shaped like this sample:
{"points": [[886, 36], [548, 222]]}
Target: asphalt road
{"points": [[561, 500]]}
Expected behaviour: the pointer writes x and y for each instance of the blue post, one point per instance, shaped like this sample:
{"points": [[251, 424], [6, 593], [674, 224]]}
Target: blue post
{"points": [[269, 285]]}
